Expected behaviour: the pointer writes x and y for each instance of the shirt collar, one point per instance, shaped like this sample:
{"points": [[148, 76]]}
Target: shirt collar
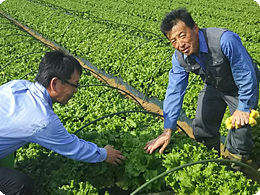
{"points": [[45, 94], [203, 44]]}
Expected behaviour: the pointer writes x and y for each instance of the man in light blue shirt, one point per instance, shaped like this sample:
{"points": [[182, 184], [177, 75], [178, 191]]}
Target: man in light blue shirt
{"points": [[26, 115], [231, 79]]}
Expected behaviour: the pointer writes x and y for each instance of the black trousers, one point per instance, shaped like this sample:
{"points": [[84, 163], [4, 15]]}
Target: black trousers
{"points": [[209, 114], [13, 182]]}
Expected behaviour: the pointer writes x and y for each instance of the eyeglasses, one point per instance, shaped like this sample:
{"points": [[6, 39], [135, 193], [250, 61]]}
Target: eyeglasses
{"points": [[71, 84]]}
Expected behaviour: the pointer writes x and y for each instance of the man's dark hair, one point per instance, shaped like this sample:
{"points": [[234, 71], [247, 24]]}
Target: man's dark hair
{"points": [[172, 18], [56, 64]]}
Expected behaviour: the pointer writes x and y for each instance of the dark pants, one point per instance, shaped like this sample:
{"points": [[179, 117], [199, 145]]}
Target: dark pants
{"points": [[15, 183], [209, 114]]}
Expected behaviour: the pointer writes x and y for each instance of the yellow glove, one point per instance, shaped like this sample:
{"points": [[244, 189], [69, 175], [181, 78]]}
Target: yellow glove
{"points": [[253, 115]]}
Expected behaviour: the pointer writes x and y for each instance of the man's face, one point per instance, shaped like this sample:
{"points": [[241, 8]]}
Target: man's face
{"points": [[66, 89], [184, 39]]}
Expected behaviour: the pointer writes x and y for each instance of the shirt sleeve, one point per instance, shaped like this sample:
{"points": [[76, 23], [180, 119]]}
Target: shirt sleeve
{"points": [[178, 80], [242, 69], [55, 137]]}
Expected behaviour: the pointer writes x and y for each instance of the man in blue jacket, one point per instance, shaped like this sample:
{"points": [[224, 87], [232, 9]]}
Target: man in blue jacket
{"points": [[26, 115], [231, 79]]}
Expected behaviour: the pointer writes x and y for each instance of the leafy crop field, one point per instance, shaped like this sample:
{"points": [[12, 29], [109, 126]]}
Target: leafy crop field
{"points": [[121, 38]]}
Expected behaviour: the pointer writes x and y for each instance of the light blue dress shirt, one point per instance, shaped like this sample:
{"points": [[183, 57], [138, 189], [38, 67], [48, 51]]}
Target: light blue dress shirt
{"points": [[241, 67], [26, 115]]}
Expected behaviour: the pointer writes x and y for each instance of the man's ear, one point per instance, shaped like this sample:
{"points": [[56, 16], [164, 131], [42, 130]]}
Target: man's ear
{"points": [[53, 84], [196, 28]]}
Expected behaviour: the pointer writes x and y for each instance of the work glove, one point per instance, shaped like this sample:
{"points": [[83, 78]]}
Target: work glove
{"points": [[253, 115]]}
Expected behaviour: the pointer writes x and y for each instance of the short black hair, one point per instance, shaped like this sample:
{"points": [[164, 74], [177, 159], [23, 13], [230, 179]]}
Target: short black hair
{"points": [[172, 18], [56, 64]]}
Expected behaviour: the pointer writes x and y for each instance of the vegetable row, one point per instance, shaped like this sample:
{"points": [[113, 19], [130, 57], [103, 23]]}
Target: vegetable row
{"points": [[128, 132]]}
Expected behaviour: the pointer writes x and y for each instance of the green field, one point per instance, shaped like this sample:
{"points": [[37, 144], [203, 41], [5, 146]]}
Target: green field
{"points": [[123, 39]]}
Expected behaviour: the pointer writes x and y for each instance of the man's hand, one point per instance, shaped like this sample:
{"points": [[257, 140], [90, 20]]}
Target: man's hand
{"points": [[114, 156], [163, 140], [241, 118]]}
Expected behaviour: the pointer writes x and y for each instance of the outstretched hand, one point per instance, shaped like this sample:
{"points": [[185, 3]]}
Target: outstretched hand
{"points": [[163, 140], [114, 156]]}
